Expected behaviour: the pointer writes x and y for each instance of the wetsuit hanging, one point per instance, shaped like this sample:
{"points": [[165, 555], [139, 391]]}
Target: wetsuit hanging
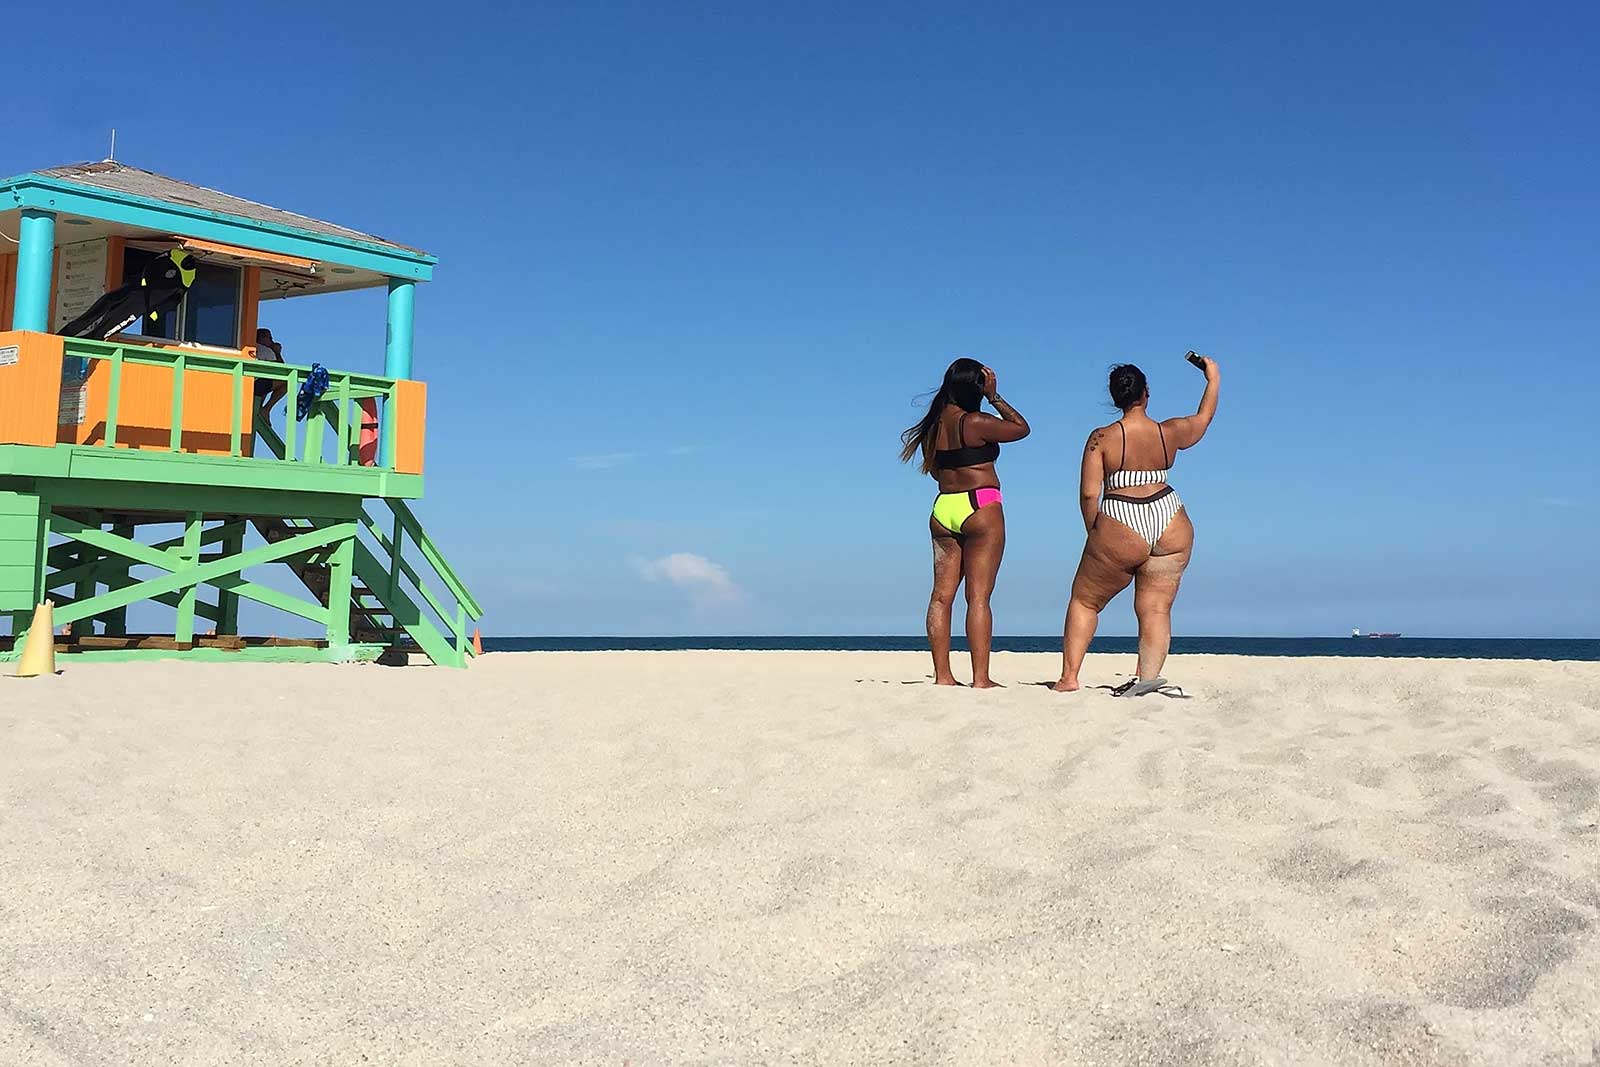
{"points": [[158, 290], [311, 391]]}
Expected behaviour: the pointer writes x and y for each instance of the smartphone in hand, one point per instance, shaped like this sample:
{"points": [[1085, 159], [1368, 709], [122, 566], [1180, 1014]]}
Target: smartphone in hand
{"points": [[1197, 359]]}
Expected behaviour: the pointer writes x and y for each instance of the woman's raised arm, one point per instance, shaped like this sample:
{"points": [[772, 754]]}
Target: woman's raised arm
{"points": [[1186, 431], [1010, 426]]}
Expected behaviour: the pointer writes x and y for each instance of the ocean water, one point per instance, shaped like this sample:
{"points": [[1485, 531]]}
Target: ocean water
{"points": [[1421, 647]]}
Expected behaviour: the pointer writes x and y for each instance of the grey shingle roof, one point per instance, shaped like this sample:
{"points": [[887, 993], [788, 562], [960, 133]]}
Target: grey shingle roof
{"points": [[121, 178]]}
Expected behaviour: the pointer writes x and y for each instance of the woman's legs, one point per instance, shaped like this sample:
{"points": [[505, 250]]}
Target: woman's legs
{"points": [[946, 577], [1155, 588], [266, 398], [1082, 620], [1110, 556], [983, 538]]}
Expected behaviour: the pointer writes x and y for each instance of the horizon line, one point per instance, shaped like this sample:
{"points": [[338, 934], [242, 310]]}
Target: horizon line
{"points": [[1012, 637]]}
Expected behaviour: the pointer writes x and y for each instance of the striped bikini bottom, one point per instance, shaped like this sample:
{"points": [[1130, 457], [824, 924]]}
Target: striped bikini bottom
{"points": [[1146, 516]]}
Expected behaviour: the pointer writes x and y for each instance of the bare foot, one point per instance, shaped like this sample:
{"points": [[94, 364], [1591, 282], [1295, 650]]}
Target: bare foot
{"points": [[1067, 685], [946, 681], [987, 683]]}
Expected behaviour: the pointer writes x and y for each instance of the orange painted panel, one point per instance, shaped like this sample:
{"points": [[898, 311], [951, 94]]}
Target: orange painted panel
{"points": [[30, 389], [411, 417], [116, 248], [250, 307], [143, 419], [249, 255], [249, 319]]}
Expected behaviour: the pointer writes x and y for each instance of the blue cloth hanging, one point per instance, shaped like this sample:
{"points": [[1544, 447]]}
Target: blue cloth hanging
{"points": [[311, 391]]}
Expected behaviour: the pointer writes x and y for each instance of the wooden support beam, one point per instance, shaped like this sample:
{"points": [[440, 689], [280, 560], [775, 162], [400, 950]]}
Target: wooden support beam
{"points": [[116, 620], [228, 600], [210, 573], [188, 557], [339, 576], [202, 610]]}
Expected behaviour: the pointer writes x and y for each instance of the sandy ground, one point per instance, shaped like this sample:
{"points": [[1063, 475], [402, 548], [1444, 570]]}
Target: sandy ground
{"points": [[800, 858]]}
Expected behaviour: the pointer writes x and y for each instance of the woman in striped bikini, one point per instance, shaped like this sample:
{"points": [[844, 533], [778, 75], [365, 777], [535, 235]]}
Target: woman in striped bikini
{"points": [[1138, 530], [958, 445]]}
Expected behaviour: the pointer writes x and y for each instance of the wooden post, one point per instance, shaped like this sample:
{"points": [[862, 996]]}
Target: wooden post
{"points": [[236, 428], [228, 602], [349, 434], [84, 587], [115, 576], [41, 586], [175, 438], [114, 398], [395, 557], [314, 421], [190, 555], [340, 570], [291, 425]]}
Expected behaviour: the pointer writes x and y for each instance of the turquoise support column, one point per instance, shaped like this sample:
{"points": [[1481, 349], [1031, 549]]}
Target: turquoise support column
{"points": [[402, 309], [36, 250]]}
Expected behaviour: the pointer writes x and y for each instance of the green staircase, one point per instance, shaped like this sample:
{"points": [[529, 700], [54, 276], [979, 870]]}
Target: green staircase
{"points": [[390, 602]]}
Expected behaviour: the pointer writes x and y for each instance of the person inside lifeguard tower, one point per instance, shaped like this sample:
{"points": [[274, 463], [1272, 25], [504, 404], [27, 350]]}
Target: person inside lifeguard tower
{"points": [[268, 393]]}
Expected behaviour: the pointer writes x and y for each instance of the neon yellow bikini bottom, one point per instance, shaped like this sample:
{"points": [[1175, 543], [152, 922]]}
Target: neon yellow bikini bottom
{"points": [[952, 510]]}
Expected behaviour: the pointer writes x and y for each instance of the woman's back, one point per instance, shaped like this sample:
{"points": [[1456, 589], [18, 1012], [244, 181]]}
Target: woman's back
{"points": [[1135, 451], [961, 461]]}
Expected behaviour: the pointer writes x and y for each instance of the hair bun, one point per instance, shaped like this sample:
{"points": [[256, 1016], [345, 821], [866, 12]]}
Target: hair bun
{"points": [[1127, 384]]}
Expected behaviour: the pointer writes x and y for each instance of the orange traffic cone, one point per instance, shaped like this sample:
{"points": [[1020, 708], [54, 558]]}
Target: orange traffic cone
{"points": [[39, 654], [477, 642]]}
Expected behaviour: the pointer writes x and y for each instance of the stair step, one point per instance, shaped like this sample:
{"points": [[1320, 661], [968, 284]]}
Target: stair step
{"points": [[371, 618]]}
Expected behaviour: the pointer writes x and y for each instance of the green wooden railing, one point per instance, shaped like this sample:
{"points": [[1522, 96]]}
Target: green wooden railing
{"points": [[339, 406], [406, 589], [385, 571]]}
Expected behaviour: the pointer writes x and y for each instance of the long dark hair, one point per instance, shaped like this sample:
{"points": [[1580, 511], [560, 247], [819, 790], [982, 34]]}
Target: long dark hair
{"points": [[963, 387]]}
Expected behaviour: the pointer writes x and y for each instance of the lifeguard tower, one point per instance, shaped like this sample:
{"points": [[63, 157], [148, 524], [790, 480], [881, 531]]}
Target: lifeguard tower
{"points": [[133, 468]]}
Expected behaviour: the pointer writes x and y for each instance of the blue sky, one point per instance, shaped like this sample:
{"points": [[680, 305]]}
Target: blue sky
{"points": [[698, 262]]}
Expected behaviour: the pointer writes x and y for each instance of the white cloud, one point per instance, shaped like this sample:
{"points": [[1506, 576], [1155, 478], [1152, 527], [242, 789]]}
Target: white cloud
{"points": [[704, 580], [605, 461]]}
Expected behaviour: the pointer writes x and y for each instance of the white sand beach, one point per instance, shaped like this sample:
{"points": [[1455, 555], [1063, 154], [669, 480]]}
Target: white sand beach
{"points": [[744, 858]]}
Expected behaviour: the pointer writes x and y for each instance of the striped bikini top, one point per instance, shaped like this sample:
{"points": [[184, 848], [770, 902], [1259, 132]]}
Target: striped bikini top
{"points": [[1126, 479]]}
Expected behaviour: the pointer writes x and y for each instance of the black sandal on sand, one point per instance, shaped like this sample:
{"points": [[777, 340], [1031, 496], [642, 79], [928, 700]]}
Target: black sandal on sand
{"points": [[1133, 687]]}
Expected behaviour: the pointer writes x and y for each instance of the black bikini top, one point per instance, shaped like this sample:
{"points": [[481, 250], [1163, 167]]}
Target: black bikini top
{"points": [[965, 456]]}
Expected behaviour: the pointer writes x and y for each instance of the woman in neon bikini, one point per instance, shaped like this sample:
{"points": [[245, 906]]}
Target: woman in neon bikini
{"points": [[959, 445], [1138, 529]]}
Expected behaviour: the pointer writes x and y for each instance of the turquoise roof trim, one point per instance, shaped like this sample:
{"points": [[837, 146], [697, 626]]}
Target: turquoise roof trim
{"points": [[38, 191]]}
